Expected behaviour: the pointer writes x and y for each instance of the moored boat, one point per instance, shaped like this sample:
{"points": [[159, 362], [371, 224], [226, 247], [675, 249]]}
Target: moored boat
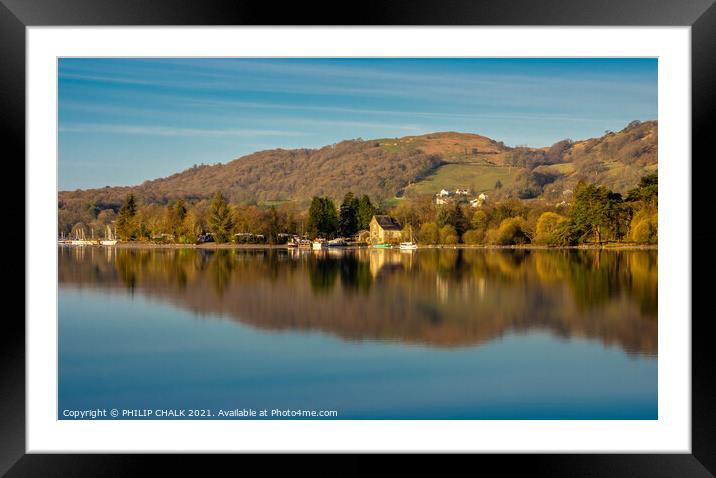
{"points": [[80, 239], [109, 238], [82, 242], [409, 245], [339, 242]]}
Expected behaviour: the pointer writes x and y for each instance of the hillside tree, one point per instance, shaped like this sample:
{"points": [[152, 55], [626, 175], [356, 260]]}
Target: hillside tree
{"points": [[126, 219], [348, 216], [273, 225], [366, 211], [596, 211], [453, 216], [646, 191], [176, 215], [221, 222], [322, 217]]}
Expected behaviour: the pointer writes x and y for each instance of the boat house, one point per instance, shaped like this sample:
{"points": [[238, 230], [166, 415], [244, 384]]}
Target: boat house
{"points": [[384, 229]]}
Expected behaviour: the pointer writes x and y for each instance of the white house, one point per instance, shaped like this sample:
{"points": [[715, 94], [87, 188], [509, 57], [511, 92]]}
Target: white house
{"points": [[462, 192], [479, 200], [444, 192]]}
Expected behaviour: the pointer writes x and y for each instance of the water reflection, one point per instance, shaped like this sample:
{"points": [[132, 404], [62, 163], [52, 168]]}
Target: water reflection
{"points": [[445, 298]]}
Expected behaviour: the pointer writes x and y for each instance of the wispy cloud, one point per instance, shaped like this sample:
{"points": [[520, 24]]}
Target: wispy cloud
{"points": [[408, 113], [196, 106], [336, 79], [106, 105]]}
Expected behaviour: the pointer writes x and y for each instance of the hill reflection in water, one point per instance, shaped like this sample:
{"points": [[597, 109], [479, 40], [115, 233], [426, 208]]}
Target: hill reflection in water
{"points": [[435, 297]]}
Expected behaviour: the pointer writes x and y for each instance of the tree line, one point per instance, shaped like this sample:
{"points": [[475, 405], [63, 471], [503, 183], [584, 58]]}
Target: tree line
{"points": [[595, 215], [184, 223]]}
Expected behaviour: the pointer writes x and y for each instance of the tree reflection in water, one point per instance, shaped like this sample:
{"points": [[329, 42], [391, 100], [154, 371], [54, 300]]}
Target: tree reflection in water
{"points": [[436, 297]]}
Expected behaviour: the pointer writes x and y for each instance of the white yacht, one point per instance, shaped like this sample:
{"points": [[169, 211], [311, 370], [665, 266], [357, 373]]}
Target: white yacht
{"points": [[110, 239], [410, 245]]}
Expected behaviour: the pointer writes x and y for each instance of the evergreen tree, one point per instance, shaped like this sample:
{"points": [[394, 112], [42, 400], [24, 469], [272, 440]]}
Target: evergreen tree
{"points": [[181, 210], [365, 212], [322, 217], [646, 191], [221, 223], [348, 216], [273, 225], [126, 220], [596, 211], [459, 220], [177, 213]]}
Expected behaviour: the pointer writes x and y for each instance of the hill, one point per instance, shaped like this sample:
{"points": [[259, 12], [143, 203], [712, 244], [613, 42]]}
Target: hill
{"points": [[394, 167], [616, 160]]}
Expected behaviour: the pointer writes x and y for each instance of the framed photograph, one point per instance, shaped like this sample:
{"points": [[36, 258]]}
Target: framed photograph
{"points": [[433, 232]]}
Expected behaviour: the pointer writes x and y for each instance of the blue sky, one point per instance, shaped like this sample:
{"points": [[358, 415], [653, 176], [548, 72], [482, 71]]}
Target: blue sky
{"points": [[124, 121]]}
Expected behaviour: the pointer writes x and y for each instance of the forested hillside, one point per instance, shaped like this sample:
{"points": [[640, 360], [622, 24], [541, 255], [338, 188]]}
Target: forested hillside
{"points": [[390, 168]]}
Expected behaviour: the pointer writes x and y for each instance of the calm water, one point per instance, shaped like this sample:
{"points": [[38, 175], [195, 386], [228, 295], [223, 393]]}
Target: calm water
{"points": [[428, 334]]}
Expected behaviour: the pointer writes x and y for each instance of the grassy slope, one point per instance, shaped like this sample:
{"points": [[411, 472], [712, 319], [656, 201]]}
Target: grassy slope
{"points": [[477, 177], [622, 159]]}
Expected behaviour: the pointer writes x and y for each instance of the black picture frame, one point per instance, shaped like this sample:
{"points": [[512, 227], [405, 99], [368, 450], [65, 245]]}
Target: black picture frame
{"points": [[700, 15]]}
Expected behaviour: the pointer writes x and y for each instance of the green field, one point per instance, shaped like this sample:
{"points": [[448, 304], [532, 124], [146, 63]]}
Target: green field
{"points": [[391, 202], [561, 168], [477, 177]]}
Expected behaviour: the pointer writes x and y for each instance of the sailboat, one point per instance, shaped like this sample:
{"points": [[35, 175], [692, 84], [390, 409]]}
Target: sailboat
{"points": [[409, 246], [110, 240], [80, 239]]}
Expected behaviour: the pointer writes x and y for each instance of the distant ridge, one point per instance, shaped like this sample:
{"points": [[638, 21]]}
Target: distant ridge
{"points": [[386, 167]]}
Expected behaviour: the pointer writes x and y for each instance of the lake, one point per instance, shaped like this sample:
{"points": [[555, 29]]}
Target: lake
{"points": [[363, 334]]}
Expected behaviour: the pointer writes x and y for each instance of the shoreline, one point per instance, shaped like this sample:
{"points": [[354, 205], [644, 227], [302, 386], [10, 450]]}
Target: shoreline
{"points": [[230, 246]]}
